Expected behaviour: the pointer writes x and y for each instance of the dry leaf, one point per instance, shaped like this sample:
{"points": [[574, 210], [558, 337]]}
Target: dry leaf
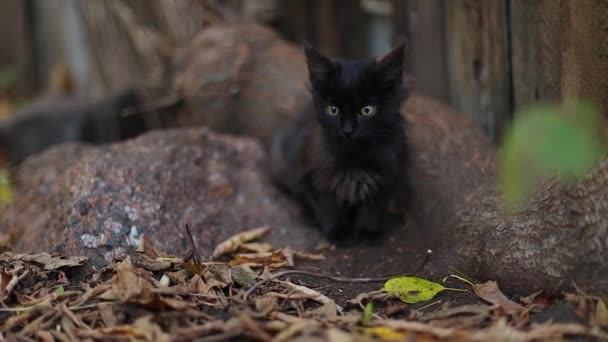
{"points": [[528, 300], [265, 305], [44, 336], [155, 333], [308, 256], [197, 285], [92, 292], [601, 314], [476, 310], [127, 283], [153, 265], [537, 301], [129, 286], [337, 335], [490, 292], [46, 260], [7, 284], [148, 248], [314, 295], [327, 311], [107, 315], [233, 243], [243, 276], [257, 247], [217, 277], [372, 295], [273, 260], [296, 328], [501, 331], [118, 332]]}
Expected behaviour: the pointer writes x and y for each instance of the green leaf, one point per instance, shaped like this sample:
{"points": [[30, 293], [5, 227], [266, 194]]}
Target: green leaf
{"points": [[367, 313], [546, 142], [60, 290], [6, 193], [8, 77], [413, 290]]}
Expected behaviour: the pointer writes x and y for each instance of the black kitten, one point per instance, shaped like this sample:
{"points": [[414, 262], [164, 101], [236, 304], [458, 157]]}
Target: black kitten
{"points": [[344, 157]]}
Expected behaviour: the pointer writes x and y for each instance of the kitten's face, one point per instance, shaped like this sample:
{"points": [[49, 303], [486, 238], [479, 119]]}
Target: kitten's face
{"points": [[357, 100]]}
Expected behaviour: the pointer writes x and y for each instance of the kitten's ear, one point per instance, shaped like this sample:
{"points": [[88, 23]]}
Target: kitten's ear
{"points": [[391, 65], [319, 66]]}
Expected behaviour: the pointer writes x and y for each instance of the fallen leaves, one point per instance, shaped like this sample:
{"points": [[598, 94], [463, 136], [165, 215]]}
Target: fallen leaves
{"points": [[16, 269], [46, 260], [149, 296]]}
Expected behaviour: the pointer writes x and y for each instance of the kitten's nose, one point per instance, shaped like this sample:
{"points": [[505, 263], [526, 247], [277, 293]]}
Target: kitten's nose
{"points": [[348, 132], [348, 129]]}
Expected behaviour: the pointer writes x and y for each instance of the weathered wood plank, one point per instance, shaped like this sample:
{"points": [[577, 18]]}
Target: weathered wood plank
{"points": [[560, 51], [420, 24], [585, 51], [536, 51], [478, 61], [12, 35], [15, 45]]}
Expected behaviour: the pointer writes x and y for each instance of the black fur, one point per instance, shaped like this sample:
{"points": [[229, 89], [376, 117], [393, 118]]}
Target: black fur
{"points": [[346, 169]]}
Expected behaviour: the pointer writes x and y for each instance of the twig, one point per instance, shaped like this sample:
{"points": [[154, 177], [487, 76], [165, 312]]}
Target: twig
{"points": [[89, 306], [428, 305], [333, 278], [193, 253]]}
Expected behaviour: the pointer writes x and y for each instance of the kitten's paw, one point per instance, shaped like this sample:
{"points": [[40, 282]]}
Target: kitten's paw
{"points": [[370, 224], [339, 234]]}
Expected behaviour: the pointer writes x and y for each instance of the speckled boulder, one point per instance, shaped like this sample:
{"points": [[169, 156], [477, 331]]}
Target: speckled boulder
{"points": [[99, 201]]}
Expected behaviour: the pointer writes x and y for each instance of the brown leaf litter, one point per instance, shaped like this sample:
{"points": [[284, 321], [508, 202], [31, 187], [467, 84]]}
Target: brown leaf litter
{"points": [[149, 296]]}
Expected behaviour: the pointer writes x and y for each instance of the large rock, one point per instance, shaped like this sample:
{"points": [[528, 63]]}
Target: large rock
{"points": [[99, 201], [239, 79]]}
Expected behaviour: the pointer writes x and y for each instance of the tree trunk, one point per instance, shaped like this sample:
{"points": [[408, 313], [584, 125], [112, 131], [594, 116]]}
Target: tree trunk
{"points": [[559, 238]]}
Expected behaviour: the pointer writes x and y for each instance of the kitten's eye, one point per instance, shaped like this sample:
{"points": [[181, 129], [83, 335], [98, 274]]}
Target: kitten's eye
{"points": [[368, 110], [332, 110]]}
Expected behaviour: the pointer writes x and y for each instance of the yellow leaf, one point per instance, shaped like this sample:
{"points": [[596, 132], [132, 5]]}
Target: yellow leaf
{"points": [[413, 290], [387, 334]]}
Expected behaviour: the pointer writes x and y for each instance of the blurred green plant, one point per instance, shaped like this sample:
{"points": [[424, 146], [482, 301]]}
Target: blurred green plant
{"points": [[8, 77], [368, 312], [6, 192], [562, 142]]}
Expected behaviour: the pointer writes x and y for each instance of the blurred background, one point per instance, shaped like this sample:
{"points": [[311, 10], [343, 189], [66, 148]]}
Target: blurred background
{"points": [[485, 58]]}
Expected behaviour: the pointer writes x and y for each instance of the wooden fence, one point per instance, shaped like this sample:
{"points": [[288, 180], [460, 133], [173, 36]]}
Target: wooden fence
{"points": [[486, 58]]}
